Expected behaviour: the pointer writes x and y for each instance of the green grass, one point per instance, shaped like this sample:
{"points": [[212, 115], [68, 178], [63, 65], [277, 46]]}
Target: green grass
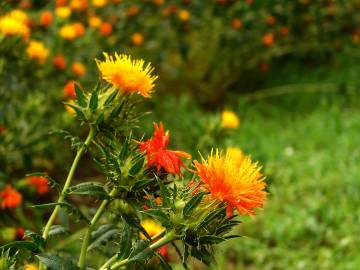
{"points": [[309, 147]]}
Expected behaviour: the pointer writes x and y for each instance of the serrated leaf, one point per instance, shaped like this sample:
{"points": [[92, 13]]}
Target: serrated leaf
{"points": [[158, 215], [141, 184], [211, 239], [164, 191], [136, 168], [54, 262], [80, 97], [210, 217], [111, 97], [94, 100], [79, 112], [90, 188], [72, 209], [29, 245], [37, 238], [124, 150], [117, 110], [104, 238], [57, 229], [125, 244], [192, 204], [141, 251], [100, 119]]}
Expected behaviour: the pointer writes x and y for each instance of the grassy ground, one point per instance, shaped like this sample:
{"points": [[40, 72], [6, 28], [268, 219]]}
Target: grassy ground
{"points": [[308, 144]]}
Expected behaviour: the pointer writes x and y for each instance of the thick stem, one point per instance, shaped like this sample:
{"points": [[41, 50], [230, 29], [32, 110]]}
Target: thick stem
{"points": [[68, 181], [94, 221], [169, 237]]}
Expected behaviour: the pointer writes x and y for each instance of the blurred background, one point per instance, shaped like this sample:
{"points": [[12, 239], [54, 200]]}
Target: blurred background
{"points": [[278, 79]]}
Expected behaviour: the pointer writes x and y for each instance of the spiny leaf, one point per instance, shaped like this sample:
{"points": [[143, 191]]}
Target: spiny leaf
{"points": [[111, 97], [125, 241], [104, 238], [29, 245], [57, 229], [37, 238], [79, 112], [192, 204], [158, 215], [80, 97], [165, 193], [141, 184], [211, 239], [136, 168], [90, 188], [54, 262], [94, 100]]}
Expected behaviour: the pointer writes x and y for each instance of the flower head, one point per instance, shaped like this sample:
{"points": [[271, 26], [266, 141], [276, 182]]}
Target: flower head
{"points": [[126, 74], [31, 267], [229, 119], [46, 18], [37, 51], [151, 227], [59, 61], [9, 197], [159, 156], [11, 26], [69, 89], [233, 178], [78, 69], [41, 184]]}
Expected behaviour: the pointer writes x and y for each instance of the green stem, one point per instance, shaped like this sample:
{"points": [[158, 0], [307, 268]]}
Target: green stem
{"points": [[169, 237], [68, 182], [91, 227]]}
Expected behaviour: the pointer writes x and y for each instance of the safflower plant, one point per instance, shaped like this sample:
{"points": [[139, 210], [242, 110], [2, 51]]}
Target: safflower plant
{"points": [[151, 196]]}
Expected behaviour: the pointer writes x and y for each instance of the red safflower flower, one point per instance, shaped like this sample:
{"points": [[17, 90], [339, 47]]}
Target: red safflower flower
{"points": [[69, 89], [158, 156], [41, 184], [10, 198], [20, 232]]}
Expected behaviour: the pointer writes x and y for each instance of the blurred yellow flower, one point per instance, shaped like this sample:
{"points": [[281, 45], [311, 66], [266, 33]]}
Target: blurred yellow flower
{"points": [[63, 12], [127, 75], [229, 119], [184, 15], [10, 27], [95, 21], [67, 32], [37, 51], [31, 267], [78, 69], [151, 227], [79, 4], [99, 3], [19, 15]]}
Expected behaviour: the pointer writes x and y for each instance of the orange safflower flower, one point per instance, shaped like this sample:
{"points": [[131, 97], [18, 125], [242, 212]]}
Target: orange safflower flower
{"points": [[233, 178], [171, 9], [236, 24], [127, 75], [132, 11], [79, 28], [158, 2], [78, 69], [10, 198], [157, 154], [59, 61], [284, 31], [60, 3], [268, 39], [94, 21], [270, 20], [80, 5], [69, 89], [46, 18], [106, 29], [137, 39], [40, 184]]}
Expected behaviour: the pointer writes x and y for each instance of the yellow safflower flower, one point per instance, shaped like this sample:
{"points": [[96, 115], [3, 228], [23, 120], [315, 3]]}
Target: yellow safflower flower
{"points": [[184, 15], [127, 75], [99, 3], [151, 227], [63, 12], [19, 15], [37, 51], [95, 21], [68, 32], [11, 27], [31, 267], [229, 119]]}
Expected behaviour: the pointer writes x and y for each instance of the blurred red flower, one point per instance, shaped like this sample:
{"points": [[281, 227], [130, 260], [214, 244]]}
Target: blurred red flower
{"points": [[9, 197], [41, 184]]}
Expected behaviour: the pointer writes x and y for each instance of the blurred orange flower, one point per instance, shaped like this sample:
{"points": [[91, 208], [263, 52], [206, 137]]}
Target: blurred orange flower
{"points": [[158, 2], [95, 21], [37, 51], [80, 5], [106, 29], [40, 184], [132, 11], [46, 18], [10, 198], [69, 89], [233, 178], [268, 39], [236, 23], [137, 39], [79, 28], [60, 3], [270, 20], [59, 61], [284, 31], [78, 69]]}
